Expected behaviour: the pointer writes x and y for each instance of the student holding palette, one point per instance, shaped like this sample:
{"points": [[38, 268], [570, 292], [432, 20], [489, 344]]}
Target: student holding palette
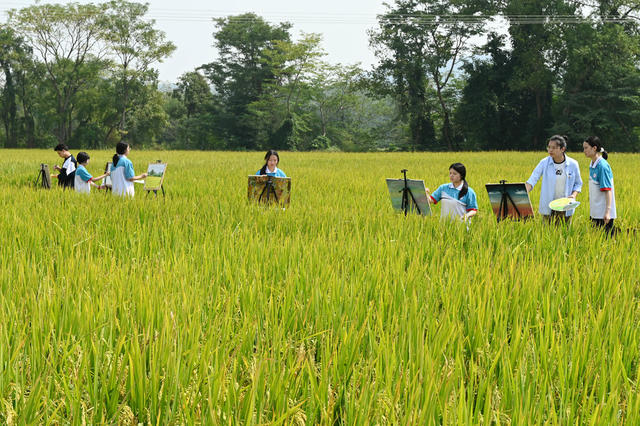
{"points": [[560, 178]]}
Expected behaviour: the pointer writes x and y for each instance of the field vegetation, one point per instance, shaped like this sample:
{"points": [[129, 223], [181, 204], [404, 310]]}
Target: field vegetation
{"points": [[199, 308]]}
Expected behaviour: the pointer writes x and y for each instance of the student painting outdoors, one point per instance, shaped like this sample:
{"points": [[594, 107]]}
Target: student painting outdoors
{"points": [[560, 178], [458, 199], [66, 177], [83, 179], [122, 173], [270, 167], [602, 200]]}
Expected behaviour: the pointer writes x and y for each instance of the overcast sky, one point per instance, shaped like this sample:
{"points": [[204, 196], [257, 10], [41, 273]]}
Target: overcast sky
{"points": [[188, 24]]}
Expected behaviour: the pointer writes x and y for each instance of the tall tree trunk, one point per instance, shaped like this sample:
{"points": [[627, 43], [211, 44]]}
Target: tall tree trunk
{"points": [[10, 107], [125, 101], [539, 129]]}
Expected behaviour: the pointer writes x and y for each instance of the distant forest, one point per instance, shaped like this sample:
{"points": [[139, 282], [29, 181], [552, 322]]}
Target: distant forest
{"points": [[83, 74]]}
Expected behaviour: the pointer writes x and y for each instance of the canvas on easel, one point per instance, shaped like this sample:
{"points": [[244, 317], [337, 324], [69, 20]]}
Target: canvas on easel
{"points": [[155, 176], [409, 195], [106, 181], [269, 190], [510, 200]]}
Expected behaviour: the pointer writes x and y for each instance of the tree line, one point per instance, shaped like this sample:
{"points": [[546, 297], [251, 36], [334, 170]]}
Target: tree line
{"points": [[445, 79]]}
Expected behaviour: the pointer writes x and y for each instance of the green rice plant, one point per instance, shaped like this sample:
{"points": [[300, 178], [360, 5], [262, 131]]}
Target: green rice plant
{"points": [[201, 308]]}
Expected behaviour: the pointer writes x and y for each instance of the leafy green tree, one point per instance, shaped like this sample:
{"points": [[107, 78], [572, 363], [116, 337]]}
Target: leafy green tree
{"points": [[494, 113], [600, 87], [536, 59], [66, 38], [420, 44], [280, 115], [194, 92], [147, 123], [240, 74], [194, 117], [135, 45], [11, 49], [400, 46]]}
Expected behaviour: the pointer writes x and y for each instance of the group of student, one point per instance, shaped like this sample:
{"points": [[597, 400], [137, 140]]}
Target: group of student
{"points": [[560, 179], [74, 173]]}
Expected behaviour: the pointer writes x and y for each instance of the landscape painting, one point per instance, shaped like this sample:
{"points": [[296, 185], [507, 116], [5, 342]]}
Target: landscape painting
{"points": [[155, 176], [417, 188], [279, 192], [521, 207]]}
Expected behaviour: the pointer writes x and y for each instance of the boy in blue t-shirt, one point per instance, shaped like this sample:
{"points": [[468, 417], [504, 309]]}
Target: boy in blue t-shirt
{"points": [[83, 179]]}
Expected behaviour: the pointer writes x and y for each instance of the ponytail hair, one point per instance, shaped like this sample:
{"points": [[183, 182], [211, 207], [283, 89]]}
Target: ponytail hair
{"points": [[460, 168], [268, 155], [121, 149], [595, 142]]}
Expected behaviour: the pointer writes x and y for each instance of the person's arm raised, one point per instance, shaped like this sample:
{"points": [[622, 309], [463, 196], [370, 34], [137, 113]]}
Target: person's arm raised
{"points": [[142, 176]]}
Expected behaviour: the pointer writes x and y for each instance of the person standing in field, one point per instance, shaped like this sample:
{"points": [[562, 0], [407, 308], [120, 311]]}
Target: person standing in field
{"points": [[560, 178], [270, 167], [66, 177], [602, 200], [458, 199], [122, 173], [83, 179]]}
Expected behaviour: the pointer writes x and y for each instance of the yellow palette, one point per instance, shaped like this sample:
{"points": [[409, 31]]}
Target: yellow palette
{"points": [[563, 204]]}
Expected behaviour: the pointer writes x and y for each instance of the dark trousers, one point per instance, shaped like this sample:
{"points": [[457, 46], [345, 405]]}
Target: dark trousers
{"points": [[609, 229]]}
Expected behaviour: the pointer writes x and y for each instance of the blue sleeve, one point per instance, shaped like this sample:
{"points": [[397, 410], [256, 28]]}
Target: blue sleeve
{"points": [[437, 194], [280, 173], [472, 203], [258, 173], [605, 177], [537, 172], [128, 170], [84, 174], [577, 185]]}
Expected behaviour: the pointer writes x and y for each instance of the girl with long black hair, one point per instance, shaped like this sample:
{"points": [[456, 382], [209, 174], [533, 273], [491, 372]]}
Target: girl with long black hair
{"points": [[458, 199], [602, 200], [270, 167], [122, 173]]}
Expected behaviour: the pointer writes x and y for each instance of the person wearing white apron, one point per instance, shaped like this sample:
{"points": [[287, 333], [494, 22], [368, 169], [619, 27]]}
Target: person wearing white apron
{"points": [[122, 173], [458, 200], [602, 199], [83, 179]]}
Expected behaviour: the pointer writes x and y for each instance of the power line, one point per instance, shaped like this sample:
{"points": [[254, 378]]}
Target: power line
{"points": [[421, 19]]}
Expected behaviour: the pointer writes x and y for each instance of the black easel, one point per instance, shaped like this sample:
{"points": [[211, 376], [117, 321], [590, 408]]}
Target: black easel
{"points": [[505, 199], [155, 191], [268, 190], [43, 179], [406, 193]]}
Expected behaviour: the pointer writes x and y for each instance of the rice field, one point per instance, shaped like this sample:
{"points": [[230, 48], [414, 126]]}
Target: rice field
{"points": [[200, 308]]}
